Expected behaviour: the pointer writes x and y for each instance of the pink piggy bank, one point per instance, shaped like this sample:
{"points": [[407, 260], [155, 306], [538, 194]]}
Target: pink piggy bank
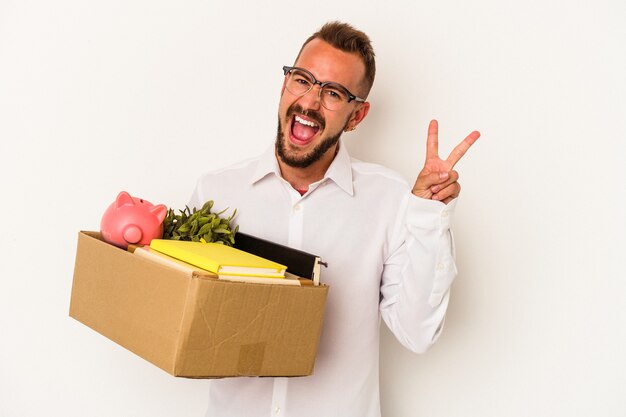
{"points": [[132, 220]]}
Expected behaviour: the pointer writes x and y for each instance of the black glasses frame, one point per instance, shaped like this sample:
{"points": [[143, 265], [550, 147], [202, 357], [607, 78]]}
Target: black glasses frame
{"points": [[322, 84]]}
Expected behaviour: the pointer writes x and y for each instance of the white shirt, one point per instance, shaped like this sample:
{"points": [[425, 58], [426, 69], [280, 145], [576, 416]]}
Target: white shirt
{"points": [[389, 253]]}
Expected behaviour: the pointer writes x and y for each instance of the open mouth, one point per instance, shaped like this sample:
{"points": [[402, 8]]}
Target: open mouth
{"points": [[303, 130]]}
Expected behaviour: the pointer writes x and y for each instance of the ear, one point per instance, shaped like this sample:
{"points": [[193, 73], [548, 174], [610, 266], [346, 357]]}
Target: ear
{"points": [[160, 211], [123, 199], [358, 116]]}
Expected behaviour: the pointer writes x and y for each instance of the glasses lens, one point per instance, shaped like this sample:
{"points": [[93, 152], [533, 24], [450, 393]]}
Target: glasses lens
{"points": [[299, 82], [334, 96]]}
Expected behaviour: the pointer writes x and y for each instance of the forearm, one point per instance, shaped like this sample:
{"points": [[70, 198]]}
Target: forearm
{"points": [[418, 274]]}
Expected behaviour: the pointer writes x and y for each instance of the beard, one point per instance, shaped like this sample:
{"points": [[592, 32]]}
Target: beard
{"points": [[303, 161]]}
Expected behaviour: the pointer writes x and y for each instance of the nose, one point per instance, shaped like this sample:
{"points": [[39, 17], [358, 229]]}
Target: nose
{"points": [[312, 99]]}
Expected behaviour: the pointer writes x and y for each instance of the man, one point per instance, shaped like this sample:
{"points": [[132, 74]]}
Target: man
{"points": [[388, 247]]}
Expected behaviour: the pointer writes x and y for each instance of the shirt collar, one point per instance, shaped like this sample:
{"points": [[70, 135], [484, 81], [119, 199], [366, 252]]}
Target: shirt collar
{"points": [[267, 165], [339, 171]]}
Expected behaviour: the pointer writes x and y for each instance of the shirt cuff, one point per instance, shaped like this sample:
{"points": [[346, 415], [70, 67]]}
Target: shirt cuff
{"points": [[428, 214]]}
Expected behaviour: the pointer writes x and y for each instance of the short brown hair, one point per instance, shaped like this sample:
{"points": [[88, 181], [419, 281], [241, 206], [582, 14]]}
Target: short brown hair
{"points": [[348, 39]]}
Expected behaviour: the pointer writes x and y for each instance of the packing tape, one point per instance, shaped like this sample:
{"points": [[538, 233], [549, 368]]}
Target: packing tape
{"points": [[251, 359]]}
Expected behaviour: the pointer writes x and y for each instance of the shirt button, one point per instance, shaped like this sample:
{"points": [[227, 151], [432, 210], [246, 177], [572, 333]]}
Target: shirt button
{"points": [[277, 410], [296, 207], [440, 267], [444, 214]]}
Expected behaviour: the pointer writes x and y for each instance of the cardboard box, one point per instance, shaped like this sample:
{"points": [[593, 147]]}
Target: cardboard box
{"points": [[195, 326]]}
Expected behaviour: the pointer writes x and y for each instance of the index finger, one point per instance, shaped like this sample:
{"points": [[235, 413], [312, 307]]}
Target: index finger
{"points": [[432, 142], [460, 149]]}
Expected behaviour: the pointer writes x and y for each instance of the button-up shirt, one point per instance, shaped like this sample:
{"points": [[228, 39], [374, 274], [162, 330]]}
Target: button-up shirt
{"points": [[389, 253]]}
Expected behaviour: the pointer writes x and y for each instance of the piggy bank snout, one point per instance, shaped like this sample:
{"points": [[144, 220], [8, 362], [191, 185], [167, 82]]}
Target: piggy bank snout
{"points": [[132, 234]]}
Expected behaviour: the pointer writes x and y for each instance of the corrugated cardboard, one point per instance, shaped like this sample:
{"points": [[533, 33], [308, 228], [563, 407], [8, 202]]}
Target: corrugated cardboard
{"points": [[195, 326]]}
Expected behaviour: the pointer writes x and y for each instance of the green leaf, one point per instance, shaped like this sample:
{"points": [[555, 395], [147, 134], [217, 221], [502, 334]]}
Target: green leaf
{"points": [[192, 224], [204, 229]]}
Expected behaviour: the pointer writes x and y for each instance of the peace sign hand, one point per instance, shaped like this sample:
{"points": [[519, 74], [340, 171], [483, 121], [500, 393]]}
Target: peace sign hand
{"points": [[437, 180]]}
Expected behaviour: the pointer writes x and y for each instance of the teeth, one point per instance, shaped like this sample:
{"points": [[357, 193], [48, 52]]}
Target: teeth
{"points": [[305, 122]]}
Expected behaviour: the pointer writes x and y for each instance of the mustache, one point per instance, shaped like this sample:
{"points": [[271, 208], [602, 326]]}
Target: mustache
{"points": [[311, 114]]}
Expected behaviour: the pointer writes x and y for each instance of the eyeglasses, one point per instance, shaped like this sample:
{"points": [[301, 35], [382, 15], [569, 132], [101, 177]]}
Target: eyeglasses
{"points": [[333, 96]]}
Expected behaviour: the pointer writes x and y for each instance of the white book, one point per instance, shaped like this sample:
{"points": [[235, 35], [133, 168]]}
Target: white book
{"points": [[288, 280], [147, 253]]}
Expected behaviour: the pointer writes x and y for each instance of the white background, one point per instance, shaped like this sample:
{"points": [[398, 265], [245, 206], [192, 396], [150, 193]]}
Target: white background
{"points": [[144, 96]]}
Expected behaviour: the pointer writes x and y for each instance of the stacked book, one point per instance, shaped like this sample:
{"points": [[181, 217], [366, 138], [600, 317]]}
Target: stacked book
{"points": [[251, 260]]}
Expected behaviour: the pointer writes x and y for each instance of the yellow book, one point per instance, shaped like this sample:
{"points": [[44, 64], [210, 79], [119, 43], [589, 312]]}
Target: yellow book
{"points": [[219, 259], [155, 256]]}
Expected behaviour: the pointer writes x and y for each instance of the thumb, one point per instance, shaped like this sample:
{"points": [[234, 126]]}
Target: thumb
{"points": [[425, 180]]}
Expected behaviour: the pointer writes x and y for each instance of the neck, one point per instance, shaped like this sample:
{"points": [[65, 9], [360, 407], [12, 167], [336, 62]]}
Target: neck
{"points": [[301, 178]]}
